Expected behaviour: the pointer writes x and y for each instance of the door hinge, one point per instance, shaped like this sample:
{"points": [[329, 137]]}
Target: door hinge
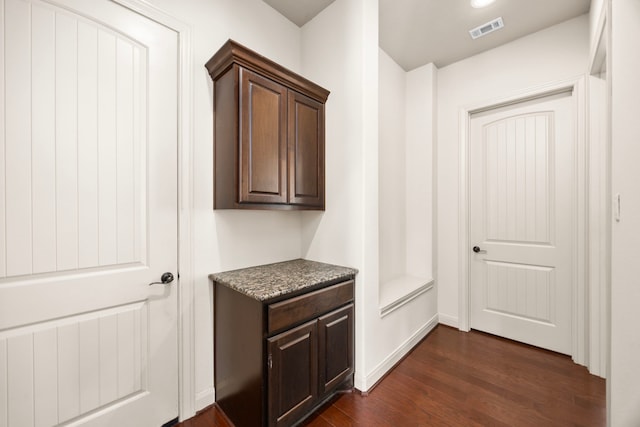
{"points": [[270, 361]]}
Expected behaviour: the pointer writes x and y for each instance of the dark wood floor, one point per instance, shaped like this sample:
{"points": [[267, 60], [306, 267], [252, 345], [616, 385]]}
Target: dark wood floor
{"points": [[467, 379]]}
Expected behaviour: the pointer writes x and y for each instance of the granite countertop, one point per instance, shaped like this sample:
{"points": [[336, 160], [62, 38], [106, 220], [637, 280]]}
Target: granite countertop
{"points": [[265, 282]]}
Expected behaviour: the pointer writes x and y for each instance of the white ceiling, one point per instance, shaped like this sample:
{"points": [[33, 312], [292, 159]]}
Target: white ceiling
{"points": [[299, 11], [417, 32]]}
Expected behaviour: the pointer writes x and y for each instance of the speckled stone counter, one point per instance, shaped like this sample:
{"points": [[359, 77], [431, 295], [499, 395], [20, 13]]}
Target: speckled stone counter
{"points": [[266, 282]]}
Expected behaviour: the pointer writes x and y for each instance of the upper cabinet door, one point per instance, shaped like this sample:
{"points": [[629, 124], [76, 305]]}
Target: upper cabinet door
{"points": [[306, 151], [263, 140]]}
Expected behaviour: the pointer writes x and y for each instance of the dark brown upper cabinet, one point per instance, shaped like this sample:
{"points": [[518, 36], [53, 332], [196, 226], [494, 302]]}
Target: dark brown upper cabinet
{"points": [[269, 134]]}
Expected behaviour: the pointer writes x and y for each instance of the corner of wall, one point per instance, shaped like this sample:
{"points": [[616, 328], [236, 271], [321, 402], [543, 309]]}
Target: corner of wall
{"points": [[448, 320], [394, 357]]}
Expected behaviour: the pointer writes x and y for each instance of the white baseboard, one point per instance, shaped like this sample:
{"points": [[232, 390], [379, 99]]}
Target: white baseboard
{"points": [[390, 361], [448, 320], [205, 398]]}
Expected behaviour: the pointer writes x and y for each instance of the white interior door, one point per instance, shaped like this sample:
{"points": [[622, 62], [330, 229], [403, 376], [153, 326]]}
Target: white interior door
{"points": [[522, 221], [88, 215]]}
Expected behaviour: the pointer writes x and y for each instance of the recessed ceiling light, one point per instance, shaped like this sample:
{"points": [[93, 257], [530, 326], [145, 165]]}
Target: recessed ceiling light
{"points": [[481, 3]]}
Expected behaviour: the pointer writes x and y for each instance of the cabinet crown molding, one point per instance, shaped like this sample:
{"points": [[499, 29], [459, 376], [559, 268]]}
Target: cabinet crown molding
{"points": [[233, 52]]}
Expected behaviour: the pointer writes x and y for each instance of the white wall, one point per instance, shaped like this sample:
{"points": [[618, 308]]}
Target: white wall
{"points": [[336, 55], [226, 240], [413, 176], [420, 126], [392, 170], [624, 376], [340, 51], [553, 54], [332, 56], [406, 171], [595, 14]]}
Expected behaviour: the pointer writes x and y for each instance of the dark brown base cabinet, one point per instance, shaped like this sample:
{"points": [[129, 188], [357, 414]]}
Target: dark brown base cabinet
{"points": [[277, 361]]}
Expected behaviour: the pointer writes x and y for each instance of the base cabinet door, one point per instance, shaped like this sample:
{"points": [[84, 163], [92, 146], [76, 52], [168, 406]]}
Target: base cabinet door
{"points": [[335, 348], [292, 374]]}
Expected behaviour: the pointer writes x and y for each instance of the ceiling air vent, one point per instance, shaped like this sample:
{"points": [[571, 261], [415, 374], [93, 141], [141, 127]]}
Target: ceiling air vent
{"points": [[487, 28]]}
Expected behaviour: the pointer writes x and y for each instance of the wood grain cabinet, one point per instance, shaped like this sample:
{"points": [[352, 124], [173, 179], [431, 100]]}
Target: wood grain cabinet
{"points": [[293, 374], [277, 361], [269, 134]]}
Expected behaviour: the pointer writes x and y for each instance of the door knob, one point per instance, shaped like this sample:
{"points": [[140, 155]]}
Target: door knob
{"points": [[477, 250], [165, 279]]}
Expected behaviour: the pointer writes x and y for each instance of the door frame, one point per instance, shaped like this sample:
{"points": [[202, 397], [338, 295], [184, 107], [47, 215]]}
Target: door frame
{"points": [[579, 287], [600, 221], [184, 203]]}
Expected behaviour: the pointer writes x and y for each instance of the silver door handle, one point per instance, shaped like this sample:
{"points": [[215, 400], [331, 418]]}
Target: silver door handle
{"points": [[477, 250], [165, 279]]}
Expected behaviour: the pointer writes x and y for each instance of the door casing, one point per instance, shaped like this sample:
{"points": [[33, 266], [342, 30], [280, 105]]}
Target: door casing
{"points": [[580, 314]]}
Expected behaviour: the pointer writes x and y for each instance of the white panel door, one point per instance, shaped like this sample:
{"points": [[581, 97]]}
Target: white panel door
{"points": [[522, 188], [88, 215]]}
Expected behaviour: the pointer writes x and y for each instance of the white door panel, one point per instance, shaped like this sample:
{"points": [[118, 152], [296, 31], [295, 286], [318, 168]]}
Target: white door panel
{"points": [[75, 136], [88, 215], [522, 192]]}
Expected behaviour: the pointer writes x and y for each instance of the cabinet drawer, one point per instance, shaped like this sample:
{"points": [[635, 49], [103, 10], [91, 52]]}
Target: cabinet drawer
{"points": [[295, 310]]}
